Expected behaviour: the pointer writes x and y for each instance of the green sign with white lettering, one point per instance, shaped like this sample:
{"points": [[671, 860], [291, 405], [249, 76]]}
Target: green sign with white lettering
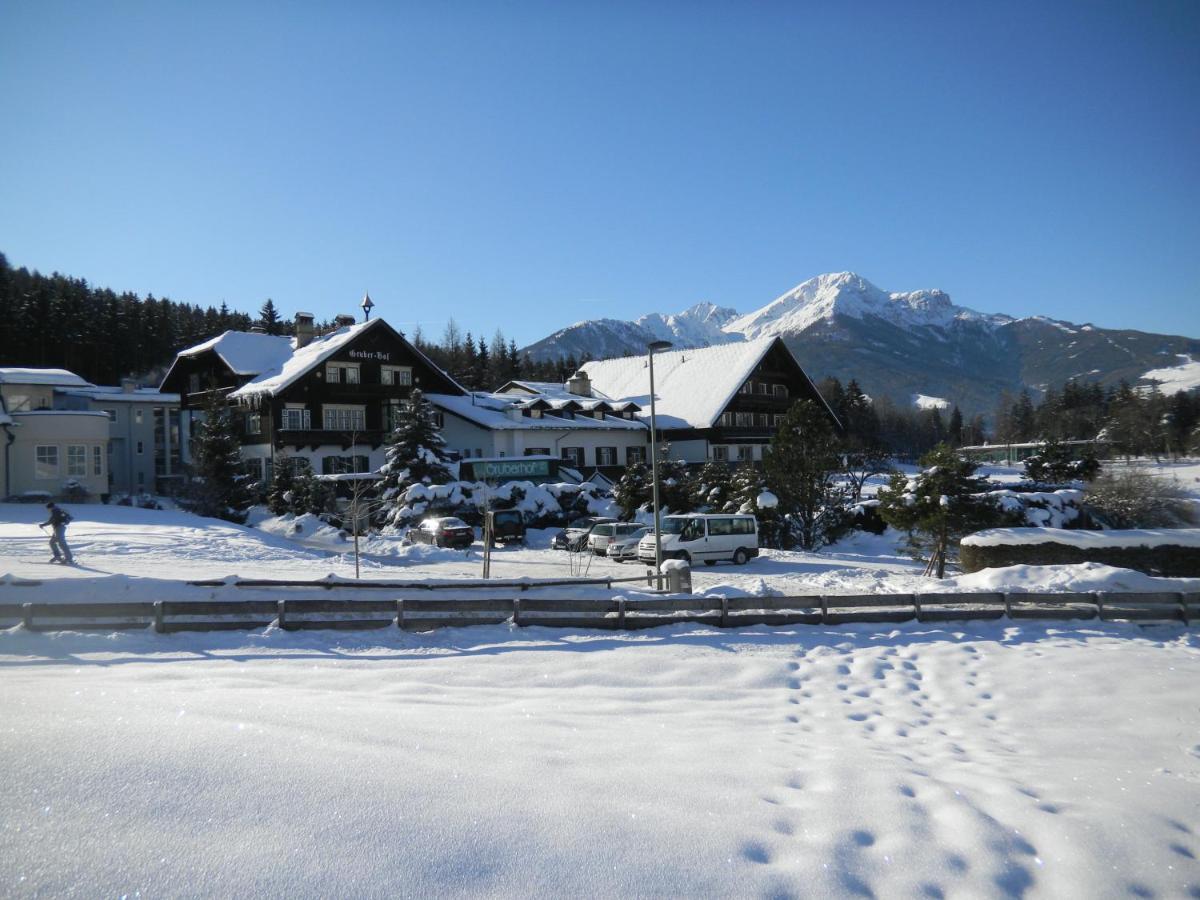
{"points": [[510, 469]]}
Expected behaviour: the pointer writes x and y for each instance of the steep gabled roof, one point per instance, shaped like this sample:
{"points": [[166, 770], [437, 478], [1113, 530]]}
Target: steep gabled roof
{"points": [[692, 387], [492, 411], [246, 352]]}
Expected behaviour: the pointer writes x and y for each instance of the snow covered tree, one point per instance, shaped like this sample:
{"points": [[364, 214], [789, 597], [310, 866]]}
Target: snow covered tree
{"points": [[218, 486], [938, 506], [802, 466], [1057, 463], [710, 488], [746, 485], [283, 481], [633, 490], [415, 453]]}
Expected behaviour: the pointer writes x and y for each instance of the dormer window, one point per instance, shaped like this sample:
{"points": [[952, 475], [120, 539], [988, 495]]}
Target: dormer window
{"points": [[781, 392], [536, 413]]}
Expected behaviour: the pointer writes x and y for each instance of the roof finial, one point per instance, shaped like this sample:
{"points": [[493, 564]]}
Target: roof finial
{"points": [[367, 306]]}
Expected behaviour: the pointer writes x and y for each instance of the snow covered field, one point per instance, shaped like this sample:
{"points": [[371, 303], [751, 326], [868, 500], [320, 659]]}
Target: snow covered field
{"points": [[989, 760]]}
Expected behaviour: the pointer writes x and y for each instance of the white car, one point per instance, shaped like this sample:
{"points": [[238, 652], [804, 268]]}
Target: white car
{"points": [[602, 535], [624, 548], [709, 538]]}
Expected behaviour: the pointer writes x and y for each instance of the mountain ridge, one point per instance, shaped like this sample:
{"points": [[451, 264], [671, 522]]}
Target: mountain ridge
{"points": [[895, 344]]}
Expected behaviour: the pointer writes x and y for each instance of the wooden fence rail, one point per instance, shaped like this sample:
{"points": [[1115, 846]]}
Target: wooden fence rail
{"points": [[645, 611]]}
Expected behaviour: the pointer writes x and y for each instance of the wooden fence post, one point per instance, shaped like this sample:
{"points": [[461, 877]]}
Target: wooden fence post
{"points": [[824, 610], [159, 625], [516, 610], [1007, 605], [621, 612], [27, 615], [282, 613], [1099, 595], [917, 606], [1183, 610], [724, 611], [400, 614]]}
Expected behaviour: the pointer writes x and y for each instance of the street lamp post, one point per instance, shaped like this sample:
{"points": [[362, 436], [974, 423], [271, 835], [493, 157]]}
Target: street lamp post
{"points": [[651, 348]]}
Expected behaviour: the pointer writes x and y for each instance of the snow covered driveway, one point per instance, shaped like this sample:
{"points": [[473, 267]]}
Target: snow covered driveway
{"points": [[990, 760]]}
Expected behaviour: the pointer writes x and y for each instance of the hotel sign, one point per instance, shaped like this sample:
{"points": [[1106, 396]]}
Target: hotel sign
{"points": [[509, 469], [371, 354]]}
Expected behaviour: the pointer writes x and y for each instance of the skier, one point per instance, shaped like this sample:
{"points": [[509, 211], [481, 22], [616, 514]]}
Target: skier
{"points": [[58, 522]]}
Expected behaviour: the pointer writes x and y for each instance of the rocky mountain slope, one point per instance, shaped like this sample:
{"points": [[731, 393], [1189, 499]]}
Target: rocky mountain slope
{"points": [[898, 345]]}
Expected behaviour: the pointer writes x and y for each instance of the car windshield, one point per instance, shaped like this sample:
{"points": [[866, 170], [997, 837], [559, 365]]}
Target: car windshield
{"points": [[603, 530], [681, 525], [451, 523]]}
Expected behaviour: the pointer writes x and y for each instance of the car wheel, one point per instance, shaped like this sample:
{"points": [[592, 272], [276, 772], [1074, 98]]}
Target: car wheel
{"points": [[710, 562], [740, 557], [686, 557]]}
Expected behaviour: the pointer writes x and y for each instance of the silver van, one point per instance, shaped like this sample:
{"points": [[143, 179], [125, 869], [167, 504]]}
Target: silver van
{"points": [[709, 538]]}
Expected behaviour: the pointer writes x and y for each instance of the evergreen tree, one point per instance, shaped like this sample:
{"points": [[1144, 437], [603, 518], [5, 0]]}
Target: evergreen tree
{"points": [[1059, 463], [415, 453], [268, 317], [218, 486], [940, 505], [956, 427], [746, 485], [633, 490], [711, 487], [283, 482], [801, 467]]}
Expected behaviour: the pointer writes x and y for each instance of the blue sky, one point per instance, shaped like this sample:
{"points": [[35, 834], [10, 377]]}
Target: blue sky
{"points": [[527, 165]]}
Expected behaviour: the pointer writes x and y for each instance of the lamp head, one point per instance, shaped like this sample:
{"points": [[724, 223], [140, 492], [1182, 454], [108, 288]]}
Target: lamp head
{"points": [[655, 346]]}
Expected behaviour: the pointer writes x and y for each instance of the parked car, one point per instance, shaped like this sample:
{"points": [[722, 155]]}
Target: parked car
{"points": [[603, 534], [508, 525], [708, 538], [574, 536], [626, 547], [447, 531]]}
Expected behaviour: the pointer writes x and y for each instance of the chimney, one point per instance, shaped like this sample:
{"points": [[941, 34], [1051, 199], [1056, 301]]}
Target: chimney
{"points": [[580, 385], [305, 329], [343, 320], [128, 385]]}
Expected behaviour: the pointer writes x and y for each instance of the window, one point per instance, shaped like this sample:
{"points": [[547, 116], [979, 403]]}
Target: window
{"points": [[112, 414], [252, 424], [745, 453], [763, 420], [439, 421], [762, 388], [140, 448], [743, 526], [747, 388], [345, 418], [778, 419], [76, 461], [573, 455], [194, 383], [635, 455], [137, 417], [745, 420], [537, 451], [536, 413], [395, 375], [606, 456], [341, 465], [720, 526], [97, 460], [297, 420], [45, 462], [781, 391], [141, 479], [720, 454], [727, 420], [341, 373], [253, 468]]}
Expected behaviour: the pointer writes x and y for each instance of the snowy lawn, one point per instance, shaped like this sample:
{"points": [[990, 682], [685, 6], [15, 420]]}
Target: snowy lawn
{"points": [[975, 761]]}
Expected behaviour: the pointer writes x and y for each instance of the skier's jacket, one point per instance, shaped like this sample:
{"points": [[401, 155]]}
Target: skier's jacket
{"points": [[59, 518]]}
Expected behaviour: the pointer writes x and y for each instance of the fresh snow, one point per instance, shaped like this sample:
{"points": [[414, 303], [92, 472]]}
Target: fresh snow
{"points": [[299, 362], [982, 760], [1173, 379], [1146, 537]]}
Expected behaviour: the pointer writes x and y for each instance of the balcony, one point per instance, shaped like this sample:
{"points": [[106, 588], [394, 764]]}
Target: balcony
{"points": [[368, 438]]}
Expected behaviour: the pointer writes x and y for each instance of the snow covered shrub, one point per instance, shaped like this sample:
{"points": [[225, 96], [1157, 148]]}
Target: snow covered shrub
{"points": [[939, 505], [746, 485], [1045, 509], [633, 491], [74, 492], [1137, 499]]}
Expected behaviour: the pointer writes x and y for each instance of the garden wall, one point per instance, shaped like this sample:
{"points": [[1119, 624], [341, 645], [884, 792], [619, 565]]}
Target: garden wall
{"points": [[1166, 552]]}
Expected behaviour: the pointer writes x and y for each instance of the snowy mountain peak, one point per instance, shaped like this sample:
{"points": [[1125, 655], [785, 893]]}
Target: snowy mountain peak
{"points": [[847, 294], [700, 325]]}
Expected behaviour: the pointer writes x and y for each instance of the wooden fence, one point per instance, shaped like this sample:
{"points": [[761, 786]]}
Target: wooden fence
{"points": [[645, 611]]}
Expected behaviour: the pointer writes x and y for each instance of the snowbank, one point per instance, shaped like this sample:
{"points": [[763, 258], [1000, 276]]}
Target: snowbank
{"points": [[1156, 537]]}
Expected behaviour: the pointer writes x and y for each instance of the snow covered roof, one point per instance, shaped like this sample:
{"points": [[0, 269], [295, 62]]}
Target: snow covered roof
{"points": [[299, 362], [692, 386], [110, 394], [557, 396], [492, 411], [246, 352], [55, 377]]}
